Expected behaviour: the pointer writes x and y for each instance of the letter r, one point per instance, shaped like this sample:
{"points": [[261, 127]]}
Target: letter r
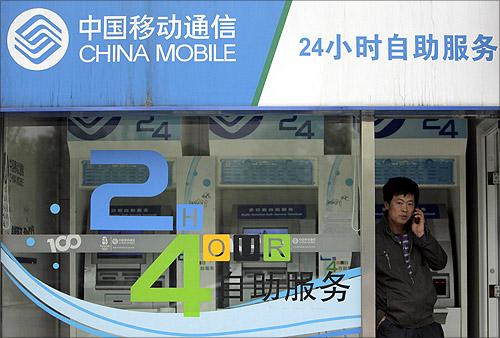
{"points": [[276, 248]]}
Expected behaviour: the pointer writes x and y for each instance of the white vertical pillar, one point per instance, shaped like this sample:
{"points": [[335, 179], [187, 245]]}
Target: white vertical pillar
{"points": [[367, 197]]}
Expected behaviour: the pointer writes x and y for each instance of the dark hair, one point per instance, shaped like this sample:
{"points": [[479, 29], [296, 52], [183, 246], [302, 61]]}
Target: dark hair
{"points": [[400, 186]]}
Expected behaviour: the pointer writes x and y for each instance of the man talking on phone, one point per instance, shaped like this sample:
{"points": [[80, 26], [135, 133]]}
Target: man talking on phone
{"points": [[405, 253]]}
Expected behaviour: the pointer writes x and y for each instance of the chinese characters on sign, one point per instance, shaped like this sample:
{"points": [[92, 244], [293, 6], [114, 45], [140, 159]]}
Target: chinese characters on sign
{"points": [[138, 27], [396, 47], [292, 285], [180, 39]]}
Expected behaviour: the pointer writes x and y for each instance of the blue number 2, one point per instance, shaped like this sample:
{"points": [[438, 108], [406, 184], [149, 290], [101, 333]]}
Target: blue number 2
{"points": [[156, 183]]}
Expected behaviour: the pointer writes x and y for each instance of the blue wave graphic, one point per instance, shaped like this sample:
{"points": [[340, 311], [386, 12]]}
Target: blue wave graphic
{"points": [[97, 324]]}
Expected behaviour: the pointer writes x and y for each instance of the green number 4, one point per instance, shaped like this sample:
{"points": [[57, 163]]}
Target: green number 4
{"points": [[191, 294]]}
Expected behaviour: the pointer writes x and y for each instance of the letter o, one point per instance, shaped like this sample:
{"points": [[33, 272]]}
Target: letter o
{"points": [[222, 246]]}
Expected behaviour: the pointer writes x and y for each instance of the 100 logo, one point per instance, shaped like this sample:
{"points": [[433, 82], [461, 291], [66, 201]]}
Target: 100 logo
{"points": [[64, 243]]}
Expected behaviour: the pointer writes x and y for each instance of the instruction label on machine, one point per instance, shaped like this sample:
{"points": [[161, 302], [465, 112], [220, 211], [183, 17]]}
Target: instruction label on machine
{"points": [[422, 171], [267, 172]]}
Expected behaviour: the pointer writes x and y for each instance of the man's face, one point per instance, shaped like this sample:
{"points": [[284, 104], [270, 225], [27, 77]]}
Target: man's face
{"points": [[401, 208]]}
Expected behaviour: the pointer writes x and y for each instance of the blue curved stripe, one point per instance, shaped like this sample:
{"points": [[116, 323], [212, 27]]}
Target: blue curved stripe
{"points": [[54, 313], [284, 326], [223, 333]]}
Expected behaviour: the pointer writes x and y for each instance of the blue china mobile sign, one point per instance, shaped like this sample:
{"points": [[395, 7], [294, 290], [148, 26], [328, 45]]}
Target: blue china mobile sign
{"points": [[104, 53]]}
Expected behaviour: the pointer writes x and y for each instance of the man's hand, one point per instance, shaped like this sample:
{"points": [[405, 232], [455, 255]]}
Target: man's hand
{"points": [[418, 228]]}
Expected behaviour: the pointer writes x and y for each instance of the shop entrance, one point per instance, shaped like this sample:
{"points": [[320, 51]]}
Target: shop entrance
{"points": [[431, 152]]}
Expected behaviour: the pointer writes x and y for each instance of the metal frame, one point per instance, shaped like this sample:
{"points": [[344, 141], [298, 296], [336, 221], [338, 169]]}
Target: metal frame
{"points": [[484, 128], [2, 152], [385, 110]]}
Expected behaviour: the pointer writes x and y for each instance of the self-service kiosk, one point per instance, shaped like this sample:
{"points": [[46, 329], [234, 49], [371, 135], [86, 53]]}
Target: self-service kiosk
{"points": [[259, 219], [109, 272], [271, 166], [267, 183], [432, 153]]}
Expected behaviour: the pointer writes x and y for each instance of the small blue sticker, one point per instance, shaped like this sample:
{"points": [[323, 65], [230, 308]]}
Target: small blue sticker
{"points": [[349, 182], [55, 208], [30, 241], [207, 182], [55, 266]]}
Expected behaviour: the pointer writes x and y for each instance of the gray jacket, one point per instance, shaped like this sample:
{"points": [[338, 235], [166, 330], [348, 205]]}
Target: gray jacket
{"points": [[407, 300]]}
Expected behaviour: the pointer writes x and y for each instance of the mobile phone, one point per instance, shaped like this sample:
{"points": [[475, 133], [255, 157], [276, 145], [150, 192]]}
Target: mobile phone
{"points": [[416, 219]]}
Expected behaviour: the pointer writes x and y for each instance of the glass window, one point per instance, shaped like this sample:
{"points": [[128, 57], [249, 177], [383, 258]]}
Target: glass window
{"points": [[246, 221]]}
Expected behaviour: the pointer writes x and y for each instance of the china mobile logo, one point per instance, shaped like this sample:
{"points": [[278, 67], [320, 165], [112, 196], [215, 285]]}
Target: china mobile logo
{"points": [[237, 127], [92, 127], [37, 39]]}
